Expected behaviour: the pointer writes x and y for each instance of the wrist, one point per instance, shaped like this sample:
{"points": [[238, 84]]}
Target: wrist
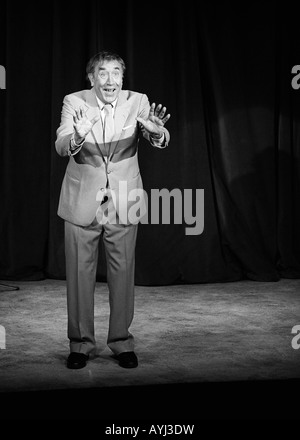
{"points": [[77, 140], [75, 145]]}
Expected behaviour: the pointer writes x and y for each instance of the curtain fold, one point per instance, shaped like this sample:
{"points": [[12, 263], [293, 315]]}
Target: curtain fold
{"points": [[224, 74]]}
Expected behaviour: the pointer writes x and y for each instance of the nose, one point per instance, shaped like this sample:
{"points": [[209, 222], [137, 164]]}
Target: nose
{"points": [[110, 78]]}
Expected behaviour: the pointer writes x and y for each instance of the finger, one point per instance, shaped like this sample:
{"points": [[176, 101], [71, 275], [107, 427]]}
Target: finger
{"points": [[151, 112], [143, 124], [77, 115], [157, 110], [162, 113], [141, 121], [166, 118]]}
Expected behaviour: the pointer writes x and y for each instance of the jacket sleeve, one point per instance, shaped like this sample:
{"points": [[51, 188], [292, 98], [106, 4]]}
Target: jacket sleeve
{"points": [[65, 131]]}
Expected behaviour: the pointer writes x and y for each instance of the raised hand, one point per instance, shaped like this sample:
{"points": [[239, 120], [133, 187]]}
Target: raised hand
{"points": [[156, 120], [82, 124]]}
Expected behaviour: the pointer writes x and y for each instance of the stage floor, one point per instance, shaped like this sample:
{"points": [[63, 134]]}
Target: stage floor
{"points": [[197, 339]]}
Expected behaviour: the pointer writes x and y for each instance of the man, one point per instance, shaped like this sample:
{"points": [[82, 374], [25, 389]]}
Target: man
{"points": [[99, 131]]}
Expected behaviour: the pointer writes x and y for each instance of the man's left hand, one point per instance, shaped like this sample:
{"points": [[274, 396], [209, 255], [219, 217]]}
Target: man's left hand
{"points": [[156, 120]]}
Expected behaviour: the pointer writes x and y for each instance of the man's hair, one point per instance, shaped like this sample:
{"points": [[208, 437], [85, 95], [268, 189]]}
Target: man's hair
{"points": [[101, 57]]}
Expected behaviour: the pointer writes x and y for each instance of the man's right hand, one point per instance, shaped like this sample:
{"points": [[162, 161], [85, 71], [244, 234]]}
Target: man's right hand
{"points": [[82, 124]]}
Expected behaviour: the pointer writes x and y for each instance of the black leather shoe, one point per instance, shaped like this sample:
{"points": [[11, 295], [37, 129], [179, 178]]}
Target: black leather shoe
{"points": [[127, 359], [77, 360]]}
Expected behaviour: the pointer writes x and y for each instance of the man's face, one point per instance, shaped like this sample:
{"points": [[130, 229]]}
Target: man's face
{"points": [[107, 80]]}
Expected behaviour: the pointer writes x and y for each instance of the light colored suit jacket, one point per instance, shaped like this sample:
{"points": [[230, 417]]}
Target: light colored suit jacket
{"points": [[96, 163]]}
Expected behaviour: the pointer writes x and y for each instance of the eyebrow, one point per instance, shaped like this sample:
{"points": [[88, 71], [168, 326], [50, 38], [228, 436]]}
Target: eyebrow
{"points": [[115, 68]]}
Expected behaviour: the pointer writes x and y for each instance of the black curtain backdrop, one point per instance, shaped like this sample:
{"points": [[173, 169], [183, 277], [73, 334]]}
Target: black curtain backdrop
{"points": [[224, 73]]}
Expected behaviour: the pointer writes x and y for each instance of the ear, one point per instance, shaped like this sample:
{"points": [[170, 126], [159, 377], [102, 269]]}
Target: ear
{"points": [[91, 78]]}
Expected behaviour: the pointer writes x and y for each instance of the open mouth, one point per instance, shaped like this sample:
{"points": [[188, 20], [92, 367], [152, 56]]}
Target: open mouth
{"points": [[109, 90]]}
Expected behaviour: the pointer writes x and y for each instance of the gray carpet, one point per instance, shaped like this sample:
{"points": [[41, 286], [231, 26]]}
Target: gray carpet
{"points": [[185, 334]]}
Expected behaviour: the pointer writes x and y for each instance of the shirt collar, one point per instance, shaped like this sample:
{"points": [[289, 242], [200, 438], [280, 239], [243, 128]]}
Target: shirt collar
{"points": [[101, 104]]}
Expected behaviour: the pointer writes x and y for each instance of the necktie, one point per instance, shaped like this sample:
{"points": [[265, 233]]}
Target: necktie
{"points": [[109, 128]]}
